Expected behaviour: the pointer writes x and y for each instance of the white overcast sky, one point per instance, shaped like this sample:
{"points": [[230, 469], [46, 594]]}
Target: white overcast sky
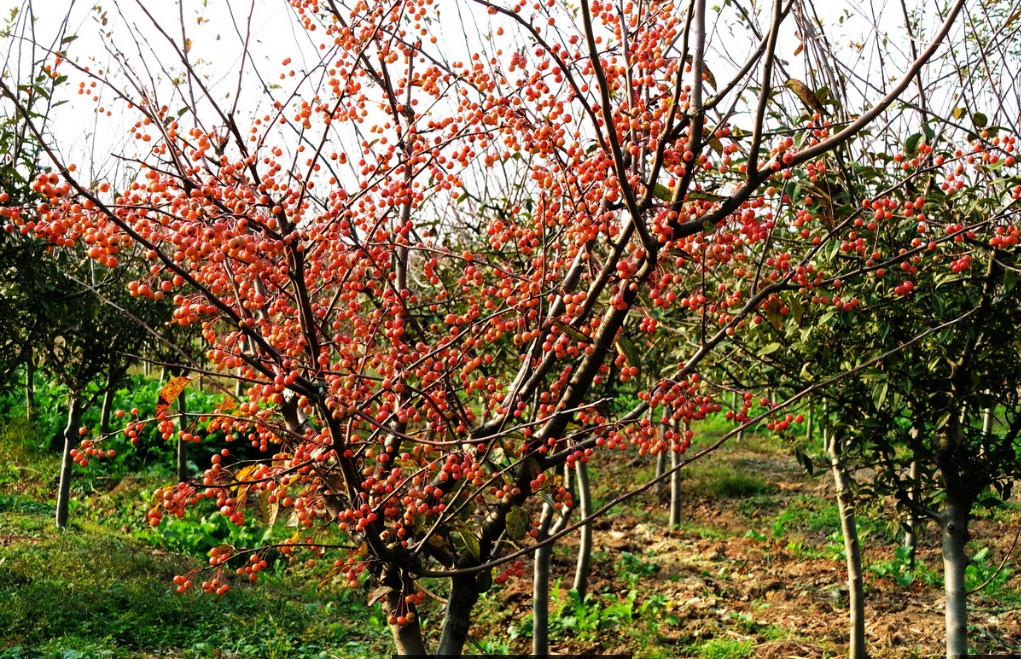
{"points": [[216, 28]]}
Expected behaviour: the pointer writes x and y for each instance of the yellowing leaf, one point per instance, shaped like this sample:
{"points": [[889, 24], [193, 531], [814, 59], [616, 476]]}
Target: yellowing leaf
{"points": [[706, 73], [169, 393], [517, 522], [806, 95], [571, 332], [471, 543], [228, 404]]}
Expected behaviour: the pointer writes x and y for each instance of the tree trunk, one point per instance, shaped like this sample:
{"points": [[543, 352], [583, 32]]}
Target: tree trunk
{"points": [[104, 415], [675, 486], [407, 637], [660, 470], [955, 560], [584, 566], [457, 621], [30, 387], [74, 421], [182, 446], [540, 587], [911, 535], [852, 548], [810, 429]]}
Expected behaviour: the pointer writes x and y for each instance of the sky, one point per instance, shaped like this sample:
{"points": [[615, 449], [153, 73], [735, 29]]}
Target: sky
{"points": [[215, 30]]}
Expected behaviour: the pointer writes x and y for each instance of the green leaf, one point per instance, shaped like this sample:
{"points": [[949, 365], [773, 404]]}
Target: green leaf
{"points": [[879, 395], [484, 581], [980, 120], [517, 522], [796, 308], [629, 350], [571, 331], [69, 39], [1009, 280], [663, 193], [698, 195], [911, 144], [471, 543], [769, 349], [805, 461]]}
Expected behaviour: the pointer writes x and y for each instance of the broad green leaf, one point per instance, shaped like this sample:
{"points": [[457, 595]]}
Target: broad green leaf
{"points": [[517, 522], [879, 395], [769, 349], [980, 120], [471, 542]]}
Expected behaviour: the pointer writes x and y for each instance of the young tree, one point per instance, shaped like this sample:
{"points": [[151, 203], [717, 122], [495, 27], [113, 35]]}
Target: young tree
{"points": [[423, 269]]}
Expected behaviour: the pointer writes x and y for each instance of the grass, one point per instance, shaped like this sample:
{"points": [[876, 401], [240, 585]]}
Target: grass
{"points": [[86, 590], [725, 648]]}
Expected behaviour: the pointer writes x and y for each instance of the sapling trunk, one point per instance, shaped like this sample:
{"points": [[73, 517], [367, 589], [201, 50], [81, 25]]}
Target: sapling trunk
{"points": [[540, 587], [852, 549], [675, 490], [182, 446], [74, 421], [911, 534], [954, 526], [584, 566], [108, 393], [30, 387]]}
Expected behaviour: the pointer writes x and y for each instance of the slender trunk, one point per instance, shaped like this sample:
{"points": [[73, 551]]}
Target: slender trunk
{"points": [[182, 446], [987, 422], [852, 548], [457, 621], [660, 470], [584, 567], [675, 486], [74, 421], [146, 368], [104, 415], [911, 534], [540, 587], [955, 560], [810, 418], [30, 387]]}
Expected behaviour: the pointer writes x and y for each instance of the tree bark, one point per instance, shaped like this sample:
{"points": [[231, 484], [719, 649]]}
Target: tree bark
{"points": [[407, 637], [911, 535], [540, 587], [108, 393], [955, 561], [584, 566], [852, 549], [74, 421], [675, 486], [30, 387], [182, 446], [457, 621]]}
